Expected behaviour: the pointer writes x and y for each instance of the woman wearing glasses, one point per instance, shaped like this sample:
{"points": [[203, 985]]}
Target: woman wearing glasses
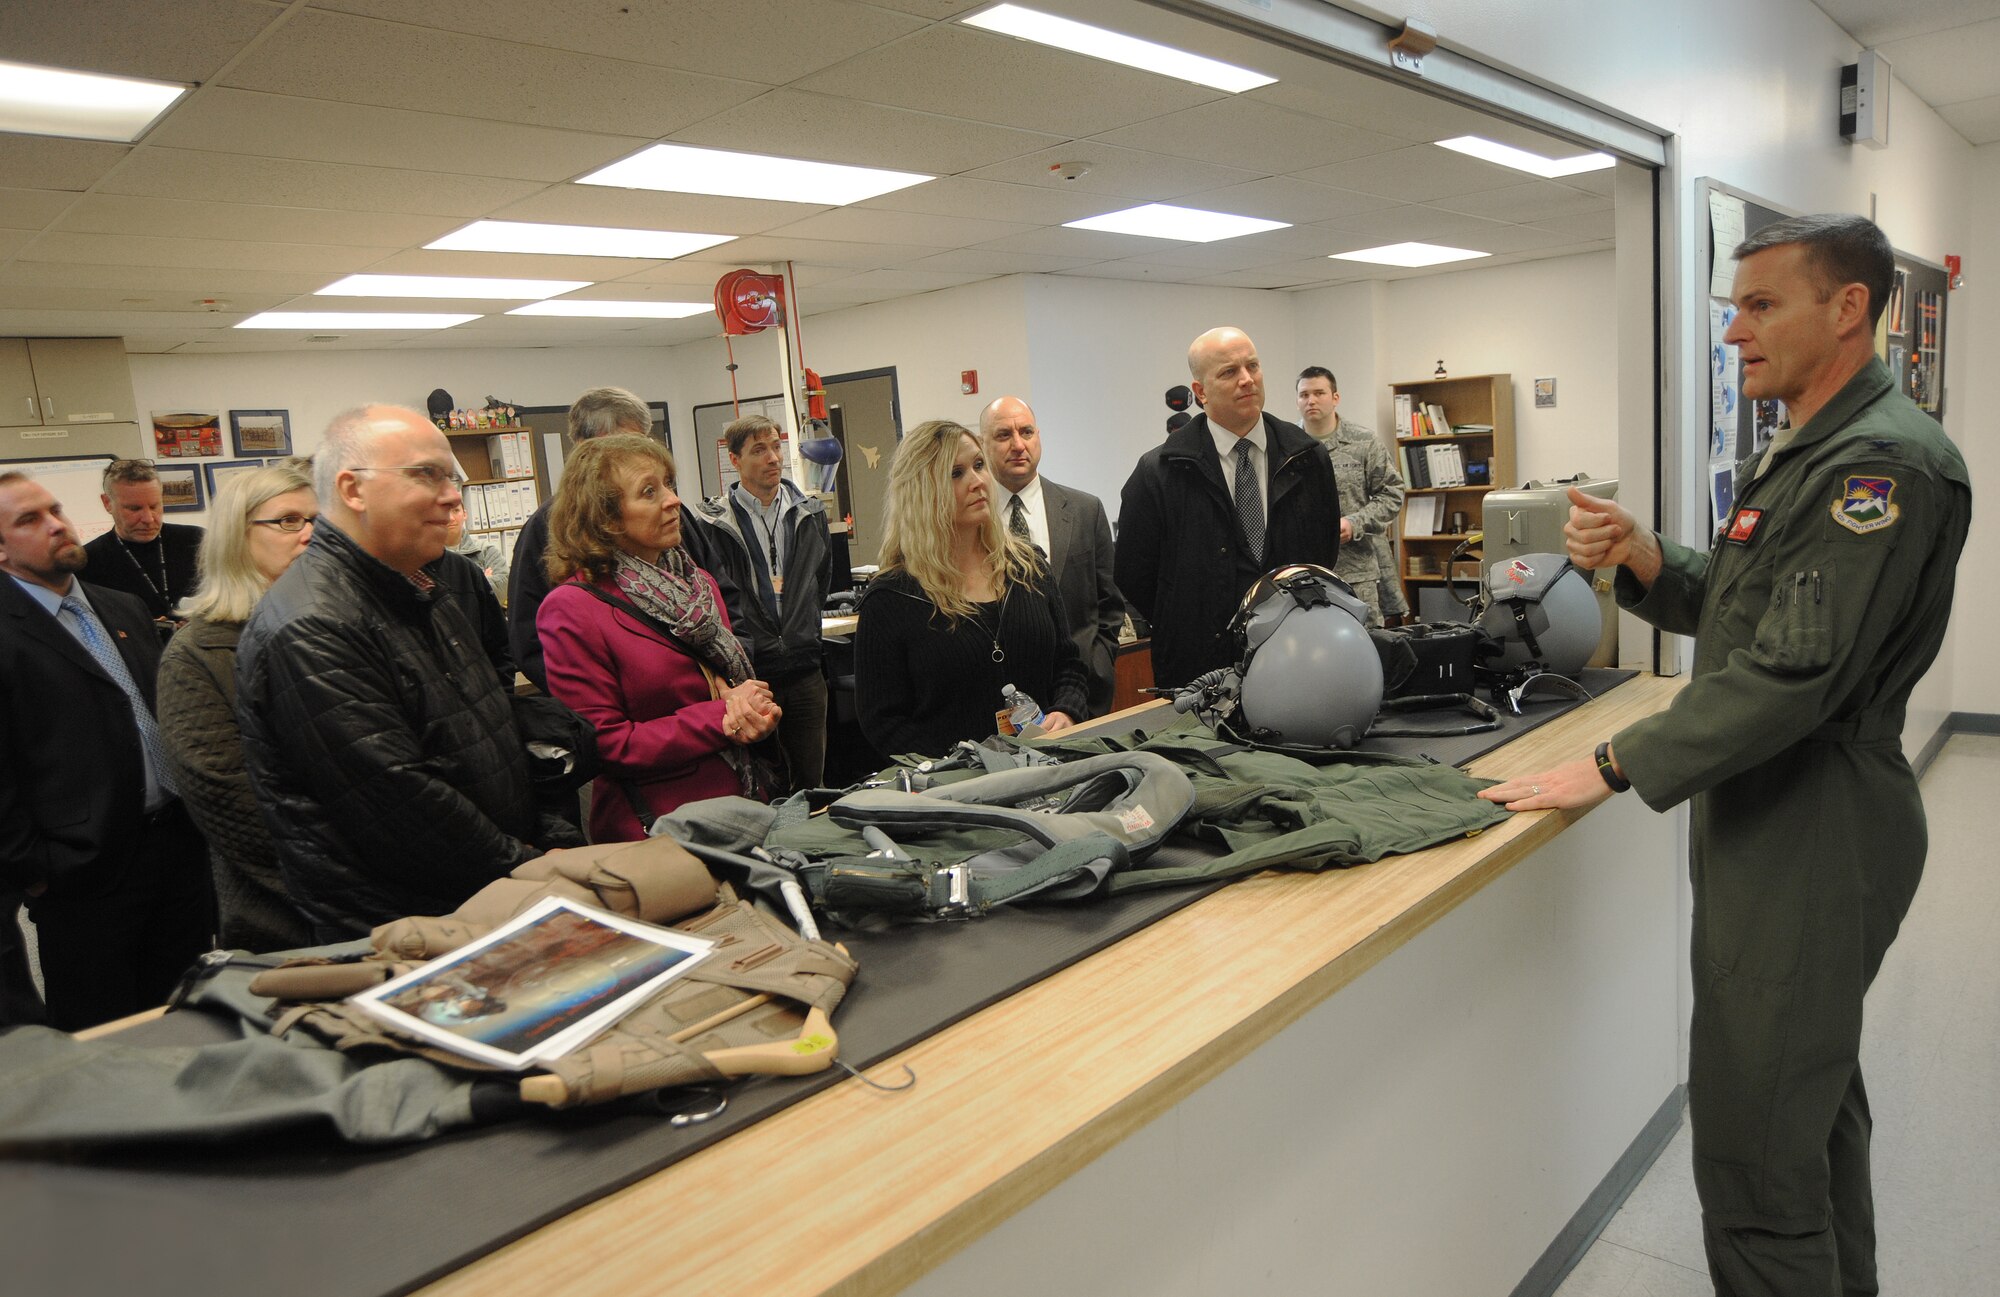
{"points": [[635, 639], [962, 608], [259, 523]]}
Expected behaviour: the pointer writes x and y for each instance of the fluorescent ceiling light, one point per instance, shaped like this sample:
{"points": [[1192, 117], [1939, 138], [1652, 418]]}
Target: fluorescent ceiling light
{"points": [[1116, 47], [80, 105], [575, 240], [684, 169], [1521, 160], [616, 310], [1409, 254], [448, 286], [324, 320], [1165, 221]]}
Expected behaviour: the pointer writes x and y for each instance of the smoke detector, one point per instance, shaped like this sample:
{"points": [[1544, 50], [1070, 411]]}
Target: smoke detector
{"points": [[1069, 170]]}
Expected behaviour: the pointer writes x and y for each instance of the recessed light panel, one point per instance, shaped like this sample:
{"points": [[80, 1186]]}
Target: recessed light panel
{"points": [[684, 169], [352, 320], [575, 240], [1534, 164], [1409, 254], [449, 286], [80, 105], [1187, 224], [1116, 47], [615, 310]]}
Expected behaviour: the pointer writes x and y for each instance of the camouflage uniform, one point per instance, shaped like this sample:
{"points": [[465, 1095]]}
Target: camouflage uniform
{"points": [[1371, 493]]}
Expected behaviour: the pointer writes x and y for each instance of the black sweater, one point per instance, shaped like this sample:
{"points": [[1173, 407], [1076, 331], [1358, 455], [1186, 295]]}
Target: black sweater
{"points": [[923, 682]]}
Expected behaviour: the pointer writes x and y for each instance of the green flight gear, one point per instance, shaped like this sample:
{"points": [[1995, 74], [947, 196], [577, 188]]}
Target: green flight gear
{"points": [[1819, 608]]}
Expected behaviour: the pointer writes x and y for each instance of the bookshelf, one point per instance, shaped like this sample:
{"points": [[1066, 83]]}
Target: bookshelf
{"points": [[497, 502], [1485, 401]]}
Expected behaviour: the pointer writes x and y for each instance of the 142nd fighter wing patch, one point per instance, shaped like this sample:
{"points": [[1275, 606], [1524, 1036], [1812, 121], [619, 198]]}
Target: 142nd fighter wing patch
{"points": [[1865, 506]]}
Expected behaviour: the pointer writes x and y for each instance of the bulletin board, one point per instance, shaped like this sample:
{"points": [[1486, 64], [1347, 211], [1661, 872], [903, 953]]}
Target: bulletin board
{"points": [[1910, 339], [77, 483]]}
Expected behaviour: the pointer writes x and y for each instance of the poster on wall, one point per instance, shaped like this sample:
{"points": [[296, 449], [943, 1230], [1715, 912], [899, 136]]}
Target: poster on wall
{"points": [[1723, 392], [186, 434], [261, 432]]}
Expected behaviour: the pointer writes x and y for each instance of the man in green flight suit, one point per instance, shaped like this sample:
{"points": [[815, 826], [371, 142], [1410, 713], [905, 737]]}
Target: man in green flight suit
{"points": [[1819, 607]]}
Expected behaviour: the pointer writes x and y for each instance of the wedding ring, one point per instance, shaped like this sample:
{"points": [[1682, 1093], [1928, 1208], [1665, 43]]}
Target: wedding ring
{"points": [[1535, 789]]}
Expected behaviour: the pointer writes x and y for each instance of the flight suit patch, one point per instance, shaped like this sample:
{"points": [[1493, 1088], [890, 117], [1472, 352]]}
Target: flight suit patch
{"points": [[1743, 527], [1865, 506]]}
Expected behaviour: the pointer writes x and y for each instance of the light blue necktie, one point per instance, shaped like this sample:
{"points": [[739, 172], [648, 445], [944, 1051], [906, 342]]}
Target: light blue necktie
{"points": [[98, 643]]}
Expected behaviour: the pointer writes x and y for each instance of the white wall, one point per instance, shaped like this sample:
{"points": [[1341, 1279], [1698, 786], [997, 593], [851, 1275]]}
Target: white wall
{"points": [[1972, 337], [1530, 319], [1346, 329]]}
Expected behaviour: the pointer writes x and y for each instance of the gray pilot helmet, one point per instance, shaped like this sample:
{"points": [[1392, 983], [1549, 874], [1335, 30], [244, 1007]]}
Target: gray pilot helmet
{"points": [[1311, 674], [1543, 615]]}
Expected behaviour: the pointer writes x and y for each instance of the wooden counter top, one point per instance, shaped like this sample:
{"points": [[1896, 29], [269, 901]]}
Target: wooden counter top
{"points": [[857, 1191]]}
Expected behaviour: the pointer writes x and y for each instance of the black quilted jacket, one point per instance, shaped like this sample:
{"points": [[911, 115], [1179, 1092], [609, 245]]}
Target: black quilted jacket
{"points": [[381, 746]]}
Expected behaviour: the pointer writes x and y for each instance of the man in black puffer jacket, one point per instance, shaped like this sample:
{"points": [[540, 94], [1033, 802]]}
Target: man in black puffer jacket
{"points": [[381, 745]]}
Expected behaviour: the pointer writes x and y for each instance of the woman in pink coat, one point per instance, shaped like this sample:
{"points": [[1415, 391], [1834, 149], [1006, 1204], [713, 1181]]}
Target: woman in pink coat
{"points": [[636, 640]]}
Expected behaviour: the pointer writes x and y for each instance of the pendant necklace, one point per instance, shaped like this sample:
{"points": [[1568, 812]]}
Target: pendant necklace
{"points": [[1000, 654]]}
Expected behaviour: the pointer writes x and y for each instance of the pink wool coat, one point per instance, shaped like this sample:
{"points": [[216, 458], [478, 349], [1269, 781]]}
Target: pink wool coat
{"points": [[656, 725]]}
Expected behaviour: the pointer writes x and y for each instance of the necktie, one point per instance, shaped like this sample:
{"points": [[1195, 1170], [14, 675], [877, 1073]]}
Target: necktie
{"points": [[1249, 504], [98, 642], [1017, 518]]}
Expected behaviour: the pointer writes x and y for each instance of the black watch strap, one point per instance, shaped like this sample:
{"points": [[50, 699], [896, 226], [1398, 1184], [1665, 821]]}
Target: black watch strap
{"points": [[1618, 783]]}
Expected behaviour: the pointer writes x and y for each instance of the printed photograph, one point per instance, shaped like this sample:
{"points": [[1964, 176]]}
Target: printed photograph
{"points": [[180, 488], [186, 434], [261, 432]]}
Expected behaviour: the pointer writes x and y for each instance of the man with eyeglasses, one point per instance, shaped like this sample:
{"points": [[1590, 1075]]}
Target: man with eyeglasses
{"points": [[378, 737]]}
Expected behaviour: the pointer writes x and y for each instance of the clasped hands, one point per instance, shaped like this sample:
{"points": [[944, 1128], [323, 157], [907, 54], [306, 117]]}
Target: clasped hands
{"points": [[749, 713]]}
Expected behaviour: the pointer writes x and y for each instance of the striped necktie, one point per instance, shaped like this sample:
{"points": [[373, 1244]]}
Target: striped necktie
{"points": [[98, 642]]}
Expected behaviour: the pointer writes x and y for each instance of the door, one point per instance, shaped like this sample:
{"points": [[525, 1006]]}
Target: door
{"points": [[870, 424]]}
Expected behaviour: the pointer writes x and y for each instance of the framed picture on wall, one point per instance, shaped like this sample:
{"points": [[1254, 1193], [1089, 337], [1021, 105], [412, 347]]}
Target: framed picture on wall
{"points": [[186, 434], [220, 473], [180, 487], [261, 432]]}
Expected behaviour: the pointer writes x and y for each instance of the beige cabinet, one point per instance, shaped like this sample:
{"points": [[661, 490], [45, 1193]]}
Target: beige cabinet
{"points": [[65, 381]]}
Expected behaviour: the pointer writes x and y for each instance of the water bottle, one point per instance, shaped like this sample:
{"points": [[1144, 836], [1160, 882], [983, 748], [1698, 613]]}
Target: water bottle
{"points": [[1022, 711]]}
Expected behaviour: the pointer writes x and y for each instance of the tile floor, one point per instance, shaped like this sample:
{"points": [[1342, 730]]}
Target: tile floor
{"points": [[1931, 1053]]}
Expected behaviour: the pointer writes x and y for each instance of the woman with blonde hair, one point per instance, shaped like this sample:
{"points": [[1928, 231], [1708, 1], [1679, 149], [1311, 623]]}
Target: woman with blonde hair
{"points": [[635, 639], [961, 609], [259, 522]]}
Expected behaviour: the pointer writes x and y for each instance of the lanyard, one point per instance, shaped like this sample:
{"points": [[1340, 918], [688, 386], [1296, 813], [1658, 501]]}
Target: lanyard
{"points": [[162, 587]]}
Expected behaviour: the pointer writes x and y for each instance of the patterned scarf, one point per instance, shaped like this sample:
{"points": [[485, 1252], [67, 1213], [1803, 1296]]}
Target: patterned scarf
{"points": [[676, 592]]}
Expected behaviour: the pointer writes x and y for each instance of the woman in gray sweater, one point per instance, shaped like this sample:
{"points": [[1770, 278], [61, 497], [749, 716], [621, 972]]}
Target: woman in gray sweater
{"points": [[258, 524]]}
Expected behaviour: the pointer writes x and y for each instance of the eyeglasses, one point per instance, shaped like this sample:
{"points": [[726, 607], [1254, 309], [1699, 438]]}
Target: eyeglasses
{"points": [[428, 475], [291, 522]]}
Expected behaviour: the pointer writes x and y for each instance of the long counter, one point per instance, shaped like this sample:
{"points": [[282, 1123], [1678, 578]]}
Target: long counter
{"points": [[1550, 1000]]}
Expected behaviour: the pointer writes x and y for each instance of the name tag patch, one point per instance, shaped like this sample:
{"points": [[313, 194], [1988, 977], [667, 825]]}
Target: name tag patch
{"points": [[1864, 505], [1743, 527]]}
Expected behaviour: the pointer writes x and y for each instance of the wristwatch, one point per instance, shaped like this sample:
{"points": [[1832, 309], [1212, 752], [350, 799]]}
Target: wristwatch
{"points": [[1617, 782]]}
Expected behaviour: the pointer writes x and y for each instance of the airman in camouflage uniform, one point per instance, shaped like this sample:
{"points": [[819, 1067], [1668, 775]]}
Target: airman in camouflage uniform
{"points": [[1818, 609], [1371, 492]]}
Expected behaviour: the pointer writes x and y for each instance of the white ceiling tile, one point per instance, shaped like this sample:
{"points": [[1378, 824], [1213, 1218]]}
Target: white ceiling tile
{"points": [[1095, 245], [765, 249], [12, 241], [1310, 271], [988, 261], [866, 225], [35, 298], [106, 324], [1115, 172], [1144, 271], [874, 285], [1978, 120], [826, 128], [648, 209], [214, 254], [42, 162], [694, 277], [773, 41], [1514, 238], [1870, 22], [939, 9], [154, 344], [241, 178], [981, 76], [221, 120], [130, 214], [31, 209], [141, 281], [1255, 249], [396, 65], [1534, 201], [187, 40], [1241, 132], [1950, 66], [1415, 174], [1426, 224], [1285, 198], [1357, 99], [630, 290], [1585, 225], [962, 196], [1602, 183], [508, 265]]}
